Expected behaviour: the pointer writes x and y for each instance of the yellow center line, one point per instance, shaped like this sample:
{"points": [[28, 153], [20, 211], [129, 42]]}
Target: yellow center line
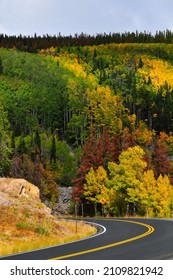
{"points": [[148, 232]]}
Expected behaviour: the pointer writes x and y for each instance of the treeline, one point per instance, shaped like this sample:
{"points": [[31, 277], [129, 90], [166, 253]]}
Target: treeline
{"points": [[36, 42]]}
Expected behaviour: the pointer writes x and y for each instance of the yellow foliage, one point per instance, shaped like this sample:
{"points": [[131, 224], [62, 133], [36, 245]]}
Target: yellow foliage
{"points": [[163, 196], [154, 195], [169, 141], [95, 187], [143, 135], [157, 70], [132, 160], [132, 119], [75, 67], [127, 175], [104, 108]]}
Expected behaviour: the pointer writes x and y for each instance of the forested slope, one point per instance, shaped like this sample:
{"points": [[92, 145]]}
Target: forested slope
{"points": [[97, 117]]}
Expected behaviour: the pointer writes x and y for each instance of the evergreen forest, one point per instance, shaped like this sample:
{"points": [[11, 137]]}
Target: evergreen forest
{"points": [[92, 112]]}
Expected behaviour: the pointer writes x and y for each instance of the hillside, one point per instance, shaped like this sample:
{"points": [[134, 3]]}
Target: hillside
{"points": [[69, 113], [27, 224]]}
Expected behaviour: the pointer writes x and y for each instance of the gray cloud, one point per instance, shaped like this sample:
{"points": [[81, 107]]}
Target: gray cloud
{"points": [[88, 16]]}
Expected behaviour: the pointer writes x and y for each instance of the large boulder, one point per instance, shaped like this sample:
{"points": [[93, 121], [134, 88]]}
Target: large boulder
{"points": [[21, 194], [19, 187]]}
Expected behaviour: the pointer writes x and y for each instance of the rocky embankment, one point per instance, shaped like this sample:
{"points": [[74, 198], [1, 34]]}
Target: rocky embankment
{"points": [[27, 223]]}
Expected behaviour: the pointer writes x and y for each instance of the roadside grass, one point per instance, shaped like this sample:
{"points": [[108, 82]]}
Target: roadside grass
{"points": [[24, 230]]}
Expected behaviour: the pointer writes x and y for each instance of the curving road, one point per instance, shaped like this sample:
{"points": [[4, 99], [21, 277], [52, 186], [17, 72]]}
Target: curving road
{"points": [[118, 239]]}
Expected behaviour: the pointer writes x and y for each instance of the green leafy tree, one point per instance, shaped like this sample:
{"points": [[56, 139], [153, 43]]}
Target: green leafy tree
{"points": [[97, 192], [154, 195], [128, 173], [66, 162], [163, 197], [95, 187]]}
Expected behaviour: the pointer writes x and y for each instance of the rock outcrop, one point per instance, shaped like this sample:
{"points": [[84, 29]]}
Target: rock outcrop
{"points": [[20, 193], [64, 200], [19, 187]]}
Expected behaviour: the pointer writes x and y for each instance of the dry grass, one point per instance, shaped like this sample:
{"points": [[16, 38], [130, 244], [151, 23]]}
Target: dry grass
{"points": [[25, 228]]}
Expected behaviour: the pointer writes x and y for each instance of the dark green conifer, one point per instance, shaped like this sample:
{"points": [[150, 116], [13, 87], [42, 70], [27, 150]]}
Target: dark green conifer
{"points": [[141, 64], [38, 142], [1, 68], [53, 150]]}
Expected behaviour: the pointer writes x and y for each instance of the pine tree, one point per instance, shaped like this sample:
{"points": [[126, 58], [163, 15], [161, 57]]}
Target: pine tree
{"points": [[141, 64], [106, 146], [161, 162], [5, 149], [27, 168], [116, 148], [16, 165], [127, 139], [110, 148], [37, 172], [92, 156], [13, 146], [53, 150], [22, 147], [38, 142], [1, 68]]}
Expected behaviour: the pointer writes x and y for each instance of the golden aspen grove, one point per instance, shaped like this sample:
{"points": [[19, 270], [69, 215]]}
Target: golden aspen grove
{"points": [[94, 113]]}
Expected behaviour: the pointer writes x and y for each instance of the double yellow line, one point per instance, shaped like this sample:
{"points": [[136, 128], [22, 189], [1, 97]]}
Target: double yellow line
{"points": [[149, 231]]}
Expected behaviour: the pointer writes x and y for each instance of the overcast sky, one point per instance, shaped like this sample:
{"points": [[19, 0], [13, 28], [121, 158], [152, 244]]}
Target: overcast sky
{"points": [[27, 17]]}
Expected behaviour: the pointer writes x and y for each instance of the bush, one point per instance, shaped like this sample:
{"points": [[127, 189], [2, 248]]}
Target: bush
{"points": [[41, 230]]}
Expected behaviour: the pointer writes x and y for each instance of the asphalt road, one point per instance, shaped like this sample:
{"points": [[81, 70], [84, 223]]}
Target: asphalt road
{"points": [[123, 239]]}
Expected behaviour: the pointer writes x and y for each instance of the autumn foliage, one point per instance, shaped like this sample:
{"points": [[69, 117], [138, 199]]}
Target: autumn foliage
{"points": [[95, 117]]}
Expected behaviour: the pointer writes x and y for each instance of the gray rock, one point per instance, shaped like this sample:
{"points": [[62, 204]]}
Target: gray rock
{"points": [[64, 200]]}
